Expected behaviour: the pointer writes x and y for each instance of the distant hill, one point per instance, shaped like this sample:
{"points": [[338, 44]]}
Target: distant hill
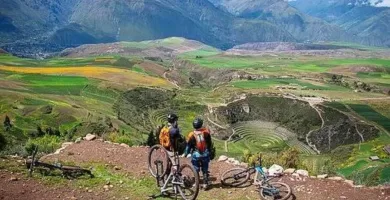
{"points": [[164, 48], [302, 26], [2, 51], [32, 27], [71, 23], [359, 18], [285, 46]]}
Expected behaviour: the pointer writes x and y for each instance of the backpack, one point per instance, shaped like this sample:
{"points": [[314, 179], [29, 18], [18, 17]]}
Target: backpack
{"points": [[201, 144], [164, 138]]}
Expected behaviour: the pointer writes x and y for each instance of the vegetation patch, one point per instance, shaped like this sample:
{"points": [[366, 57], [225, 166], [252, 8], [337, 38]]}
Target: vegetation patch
{"points": [[370, 114]]}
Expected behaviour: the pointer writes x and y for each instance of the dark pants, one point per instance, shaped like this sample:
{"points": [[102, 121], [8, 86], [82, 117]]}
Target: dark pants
{"points": [[201, 163]]}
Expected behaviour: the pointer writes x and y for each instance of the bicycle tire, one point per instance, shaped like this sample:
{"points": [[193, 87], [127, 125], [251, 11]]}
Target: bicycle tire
{"points": [[243, 177], [164, 159], [287, 191], [187, 183]]}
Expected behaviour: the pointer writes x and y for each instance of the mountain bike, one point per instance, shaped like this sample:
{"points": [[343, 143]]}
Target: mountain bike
{"points": [[268, 190], [177, 178], [45, 168]]}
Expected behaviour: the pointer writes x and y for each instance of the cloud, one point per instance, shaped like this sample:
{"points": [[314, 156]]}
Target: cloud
{"points": [[381, 3]]}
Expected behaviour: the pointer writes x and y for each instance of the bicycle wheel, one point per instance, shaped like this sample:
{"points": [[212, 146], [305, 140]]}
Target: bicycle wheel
{"points": [[275, 191], [235, 177], [75, 171], [157, 153], [189, 178]]}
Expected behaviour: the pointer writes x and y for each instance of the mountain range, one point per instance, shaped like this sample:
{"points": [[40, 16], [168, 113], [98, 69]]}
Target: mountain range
{"points": [[362, 18], [31, 26]]}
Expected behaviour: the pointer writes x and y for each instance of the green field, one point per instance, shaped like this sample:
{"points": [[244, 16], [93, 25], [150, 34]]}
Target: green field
{"points": [[272, 82], [367, 112]]}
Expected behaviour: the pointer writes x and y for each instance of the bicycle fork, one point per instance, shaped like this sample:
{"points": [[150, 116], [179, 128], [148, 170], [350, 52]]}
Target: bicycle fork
{"points": [[159, 170]]}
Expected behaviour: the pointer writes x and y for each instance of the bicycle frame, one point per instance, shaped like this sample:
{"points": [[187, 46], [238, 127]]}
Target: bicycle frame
{"points": [[171, 177]]}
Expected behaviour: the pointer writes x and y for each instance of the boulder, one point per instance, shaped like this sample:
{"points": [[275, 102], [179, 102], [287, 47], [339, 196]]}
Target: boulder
{"points": [[289, 171], [222, 158], [231, 160], [336, 178], [66, 144], [302, 172], [58, 151], [350, 182], [78, 140], [236, 162], [90, 137], [322, 176], [295, 175], [245, 165], [275, 170], [124, 145]]}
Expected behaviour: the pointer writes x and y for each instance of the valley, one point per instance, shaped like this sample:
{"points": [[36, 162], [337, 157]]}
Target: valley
{"points": [[332, 104]]}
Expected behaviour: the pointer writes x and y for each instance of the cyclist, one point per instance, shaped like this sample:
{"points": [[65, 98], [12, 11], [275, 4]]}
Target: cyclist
{"points": [[170, 135], [199, 145]]}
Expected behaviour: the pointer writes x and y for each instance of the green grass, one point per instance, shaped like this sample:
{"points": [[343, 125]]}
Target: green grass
{"points": [[377, 62], [349, 170], [203, 52], [338, 106], [101, 94], [370, 114], [385, 175], [51, 84]]}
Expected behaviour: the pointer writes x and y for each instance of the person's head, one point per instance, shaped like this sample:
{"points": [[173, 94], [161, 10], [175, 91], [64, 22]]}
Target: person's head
{"points": [[197, 123], [172, 118]]}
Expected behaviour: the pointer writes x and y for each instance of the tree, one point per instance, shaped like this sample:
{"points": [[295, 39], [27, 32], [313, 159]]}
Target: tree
{"points": [[7, 123], [151, 139], [39, 131]]}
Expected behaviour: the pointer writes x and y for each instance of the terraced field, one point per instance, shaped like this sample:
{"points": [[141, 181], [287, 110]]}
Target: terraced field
{"points": [[367, 112], [116, 75], [263, 136]]}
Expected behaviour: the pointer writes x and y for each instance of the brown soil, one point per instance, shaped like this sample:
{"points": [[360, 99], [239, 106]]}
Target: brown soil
{"points": [[29, 189], [153, 67], [133, 161]]}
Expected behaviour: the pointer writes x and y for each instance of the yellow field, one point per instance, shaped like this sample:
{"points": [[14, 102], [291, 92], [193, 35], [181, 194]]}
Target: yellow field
{"points": [[115, 75]]}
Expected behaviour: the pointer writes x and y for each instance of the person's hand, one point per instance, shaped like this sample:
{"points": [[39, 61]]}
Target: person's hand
{"points": [[183, 155]]}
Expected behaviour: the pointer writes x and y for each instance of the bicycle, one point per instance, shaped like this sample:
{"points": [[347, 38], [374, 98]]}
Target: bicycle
{"points": [[180, 178], [45, 168], [268, 190]]}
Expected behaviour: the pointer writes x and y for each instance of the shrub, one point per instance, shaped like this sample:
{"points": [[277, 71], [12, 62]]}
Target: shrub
{"points": [[46, 144], [118, 138], [3, 142], [289, 158], [151, 139], [124, 139]]}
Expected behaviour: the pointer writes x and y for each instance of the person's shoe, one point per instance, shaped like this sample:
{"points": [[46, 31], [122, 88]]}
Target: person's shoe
{"points": [[205, 186]]}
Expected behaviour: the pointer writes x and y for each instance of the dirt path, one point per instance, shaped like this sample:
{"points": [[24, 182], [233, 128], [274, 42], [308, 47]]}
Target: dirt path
{"points": [[133, 161], [172, 82]]}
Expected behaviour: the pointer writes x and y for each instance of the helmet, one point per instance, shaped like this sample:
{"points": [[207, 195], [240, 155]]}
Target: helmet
{"points": [[172, 118], [197, 123]]}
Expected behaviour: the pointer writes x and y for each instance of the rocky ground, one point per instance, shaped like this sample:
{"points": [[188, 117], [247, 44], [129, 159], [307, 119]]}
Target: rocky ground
{"points": [[132, 161]]}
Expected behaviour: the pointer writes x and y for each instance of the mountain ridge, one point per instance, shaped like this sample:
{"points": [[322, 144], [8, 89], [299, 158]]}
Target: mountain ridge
{"points": [[29, 27]]}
